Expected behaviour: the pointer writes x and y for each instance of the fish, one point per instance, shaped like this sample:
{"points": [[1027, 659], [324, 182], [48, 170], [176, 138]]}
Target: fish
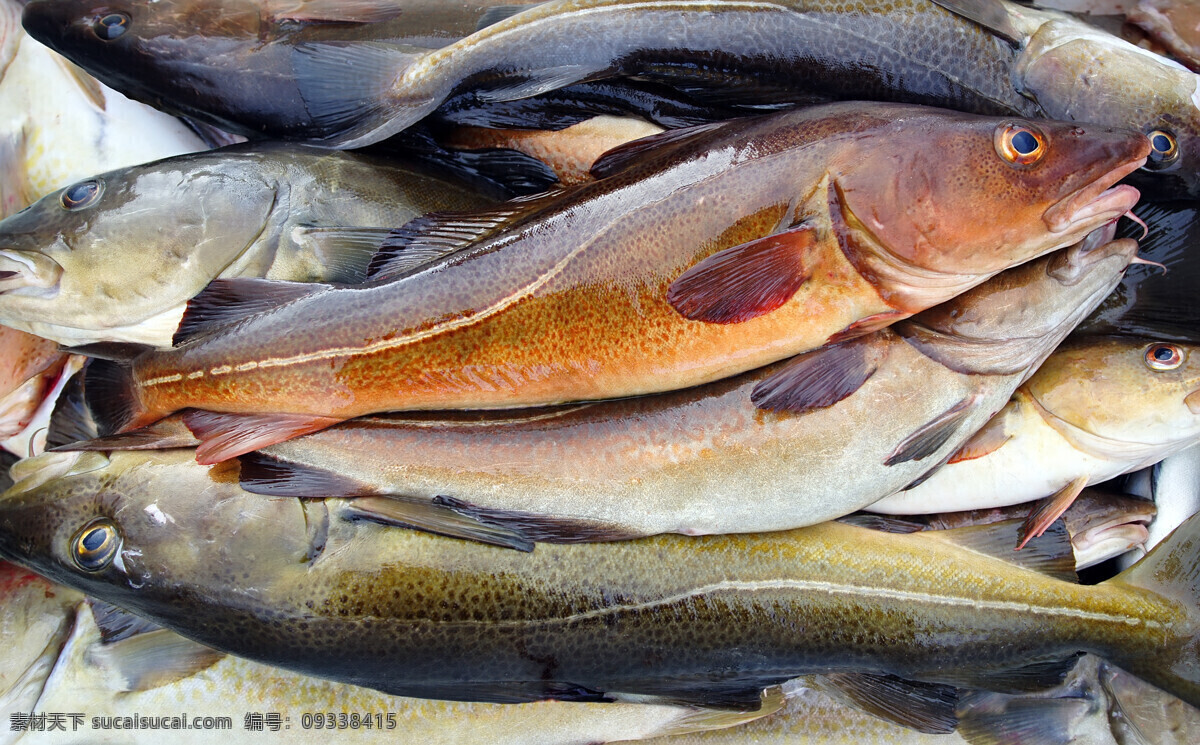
{"points": [[60, 124], [200, 58], [623, 286], [28, 366], [92, 263], [982, 56], [1097, 704], [1175, 24], [1097, 408], [1156, 299], [707, 620], [63, 654]]}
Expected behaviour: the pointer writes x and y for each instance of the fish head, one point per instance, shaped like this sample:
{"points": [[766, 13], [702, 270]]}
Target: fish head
{"points": [[1126, 86], [112, 251], [145, 531], [1104, 524], [950, 199], [1121, 397]]}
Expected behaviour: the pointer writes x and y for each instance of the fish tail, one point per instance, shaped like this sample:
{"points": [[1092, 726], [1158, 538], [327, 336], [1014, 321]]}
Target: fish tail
{"points": [[1172, 571], [111, 393], [348, 90]]}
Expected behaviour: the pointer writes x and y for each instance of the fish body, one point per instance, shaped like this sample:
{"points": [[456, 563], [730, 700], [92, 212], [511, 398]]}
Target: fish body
{"points": [[57, 124], [706, 459], [116, 257], [1098, 407], [29, 365], [199, 58], [742, 244], [309, 586]]}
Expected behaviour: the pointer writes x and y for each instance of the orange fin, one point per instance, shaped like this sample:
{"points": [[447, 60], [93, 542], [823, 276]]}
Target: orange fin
{"points": [[1048, 510], [746, 281], [224, 436], [987, 440], [819, 378], [868, 325]]}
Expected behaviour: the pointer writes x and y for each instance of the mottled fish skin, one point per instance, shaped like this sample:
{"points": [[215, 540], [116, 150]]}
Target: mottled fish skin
{"points": [[568, 300], [704, 460], [204, 58], [310, 587], [107, 270], [1097, 408]]}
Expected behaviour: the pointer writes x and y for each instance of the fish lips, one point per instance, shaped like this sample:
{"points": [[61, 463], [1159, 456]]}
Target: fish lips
{"points": [[1099, 199], [24, 269]]}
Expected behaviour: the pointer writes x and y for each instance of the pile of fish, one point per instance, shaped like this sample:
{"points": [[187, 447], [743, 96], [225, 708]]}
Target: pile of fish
{"points": [[590, 370]]}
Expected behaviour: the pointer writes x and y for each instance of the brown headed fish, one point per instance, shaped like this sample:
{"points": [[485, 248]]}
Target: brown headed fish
{"points": [[700, 255]]}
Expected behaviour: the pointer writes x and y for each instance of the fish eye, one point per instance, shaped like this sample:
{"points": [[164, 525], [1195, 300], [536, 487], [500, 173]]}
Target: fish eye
{"points": [[1019, 144], [1163, 356], [109, 26], [1164, 150], [95, 546], [82, 195]]}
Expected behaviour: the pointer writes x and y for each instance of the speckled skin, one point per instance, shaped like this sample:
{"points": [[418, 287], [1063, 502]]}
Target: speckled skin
{"points": [[704, 460], [228, 62], [160, 232], [568, 301], [311, 588], [1095, 409]]}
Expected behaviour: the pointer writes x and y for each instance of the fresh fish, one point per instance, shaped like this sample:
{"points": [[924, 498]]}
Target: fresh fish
{"points": [[709, 619], [704, 460], [57, 124], [148, 672], [718, 251], [116, 257], [1097, 408], [1175, 24], [1097, 704], [201, 58], [1158, 301]]}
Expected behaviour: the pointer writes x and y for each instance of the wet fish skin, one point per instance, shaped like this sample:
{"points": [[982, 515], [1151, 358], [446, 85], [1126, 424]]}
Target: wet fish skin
{"points": [[704, 460], [596, 303], [108, 271], [1094, 410], [201, 58], [308, 586]]}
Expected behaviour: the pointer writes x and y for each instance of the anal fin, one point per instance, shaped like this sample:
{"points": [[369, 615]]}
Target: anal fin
{"points": [[924, 707], [224, 436], [748, 280]]}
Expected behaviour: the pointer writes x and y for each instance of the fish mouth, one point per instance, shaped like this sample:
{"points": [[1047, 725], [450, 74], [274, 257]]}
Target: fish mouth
{"points": [[1099, 199], [21, 269]]}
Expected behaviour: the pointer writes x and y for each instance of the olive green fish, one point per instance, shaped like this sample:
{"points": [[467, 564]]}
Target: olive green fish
{"points": [[710, 619], [116, 257]]}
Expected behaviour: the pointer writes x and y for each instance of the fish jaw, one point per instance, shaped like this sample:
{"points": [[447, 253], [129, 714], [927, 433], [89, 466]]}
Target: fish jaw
{"points": [[28, 271], [1095, 204]]}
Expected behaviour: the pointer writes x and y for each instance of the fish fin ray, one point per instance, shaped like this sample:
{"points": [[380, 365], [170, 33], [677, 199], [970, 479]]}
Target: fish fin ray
{"points": [[266, 474], [344, 252], [71, 420], [987, 718], [820, 378], [152, 659], [111, 395], [1043, 515], [882, 523], [432, 517], [637, 151], [868, 325], [168, 432], [537, 82], [987, 13], [931, 436], [706, 717], [1050, 553], [333, 11], [924, 707], [226, 301], [116, 623], [746, 281], [990, 438], [113, 351], [1032, 677], [347, 89], [498, 13], [224, 436]]}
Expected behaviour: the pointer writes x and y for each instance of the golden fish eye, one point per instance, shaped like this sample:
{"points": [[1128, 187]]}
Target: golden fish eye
{"points": [[1164, 149], [1019, 145], [1163, 356], [82, 195], [96, 545], [110, 26]]}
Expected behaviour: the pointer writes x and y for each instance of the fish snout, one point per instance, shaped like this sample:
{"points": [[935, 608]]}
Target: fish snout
{"points": [[21, 269], [1101, 200]]}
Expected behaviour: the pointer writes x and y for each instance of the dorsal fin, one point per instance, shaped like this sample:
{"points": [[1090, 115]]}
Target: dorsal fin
{"points": [[226, 301], [624, 155]]}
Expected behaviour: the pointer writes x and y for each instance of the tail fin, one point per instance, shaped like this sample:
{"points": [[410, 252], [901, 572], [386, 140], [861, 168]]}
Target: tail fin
{"points": [[1171, 571], [111, 394]]}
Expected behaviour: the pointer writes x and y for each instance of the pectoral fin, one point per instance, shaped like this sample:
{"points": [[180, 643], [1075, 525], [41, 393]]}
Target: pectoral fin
{"points": [[931, 436], [748, 280], [436, 518], [1050, 553], [152, 659], [1050, 509], [226, 301], [987, 440], [925, 707], [344, 251], [821, 378], [637, 151], [224, 436]]}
